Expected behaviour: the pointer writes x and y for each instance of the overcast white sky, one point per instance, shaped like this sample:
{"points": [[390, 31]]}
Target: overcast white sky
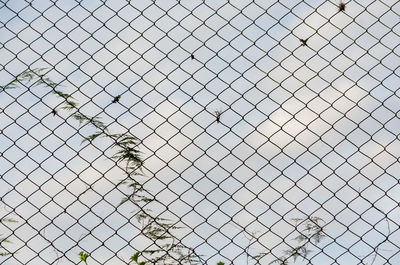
{"points": [[305, 130]]}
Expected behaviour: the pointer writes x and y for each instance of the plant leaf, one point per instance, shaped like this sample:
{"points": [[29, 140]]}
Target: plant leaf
{"points": [[135, 256]]}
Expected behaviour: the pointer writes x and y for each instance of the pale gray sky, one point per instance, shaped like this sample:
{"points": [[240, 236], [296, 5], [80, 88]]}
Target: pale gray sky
{"points": [[305, 130]]}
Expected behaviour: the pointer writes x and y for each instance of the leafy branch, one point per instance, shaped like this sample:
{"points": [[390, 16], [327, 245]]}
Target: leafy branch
{"points": [[135, 259], [3, 240], [36, 76], [168, 249], [83, 256], [311, 233]]}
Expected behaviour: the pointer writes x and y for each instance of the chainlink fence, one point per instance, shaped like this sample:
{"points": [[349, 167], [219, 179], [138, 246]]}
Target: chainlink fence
{"points": [[199, 132]]}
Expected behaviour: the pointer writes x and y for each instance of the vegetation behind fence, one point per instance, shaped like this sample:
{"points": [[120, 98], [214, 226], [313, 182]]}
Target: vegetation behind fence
{"points": [[199, 132]]}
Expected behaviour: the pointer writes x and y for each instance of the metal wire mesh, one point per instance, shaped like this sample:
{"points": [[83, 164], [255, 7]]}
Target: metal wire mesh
{"points": [[269, 130]]}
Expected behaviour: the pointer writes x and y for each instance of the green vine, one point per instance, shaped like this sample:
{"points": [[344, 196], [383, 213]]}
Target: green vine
{"points": [[310, 232], [168, 249], [5, 240], [83, 256]]}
